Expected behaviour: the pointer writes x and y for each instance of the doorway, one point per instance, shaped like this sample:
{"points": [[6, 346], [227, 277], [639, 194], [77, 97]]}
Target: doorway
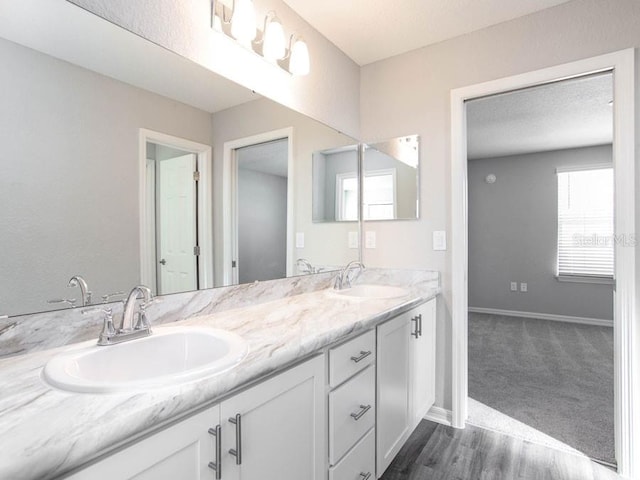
{"points": [[540, 186], [175, 214], [261, 215], [625, 357], [257, 173]]}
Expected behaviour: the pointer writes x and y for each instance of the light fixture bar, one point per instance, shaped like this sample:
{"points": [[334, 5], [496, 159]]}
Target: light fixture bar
{"points": [[269, 43]]}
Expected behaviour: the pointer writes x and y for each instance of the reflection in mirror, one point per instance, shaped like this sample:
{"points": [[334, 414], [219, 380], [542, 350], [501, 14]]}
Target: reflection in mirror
{"points": [[335, 184], [97, 177], [390, 179]]}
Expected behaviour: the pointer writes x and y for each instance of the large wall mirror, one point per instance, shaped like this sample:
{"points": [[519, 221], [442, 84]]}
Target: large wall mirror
{"points": [[130, 164]]}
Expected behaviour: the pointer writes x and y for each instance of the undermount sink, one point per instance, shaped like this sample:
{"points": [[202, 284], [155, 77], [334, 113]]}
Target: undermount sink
{"points": [[171, 355], [372, 291]]}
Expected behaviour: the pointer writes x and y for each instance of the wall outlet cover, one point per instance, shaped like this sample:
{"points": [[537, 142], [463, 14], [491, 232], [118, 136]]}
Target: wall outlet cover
{"points": [[370, 239], [299, 239], [439, 240], [353, 240], [524, 287], [514, 286]]}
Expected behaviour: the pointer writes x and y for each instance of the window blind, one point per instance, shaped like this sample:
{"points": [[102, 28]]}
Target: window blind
{"points": [[585, 223]]}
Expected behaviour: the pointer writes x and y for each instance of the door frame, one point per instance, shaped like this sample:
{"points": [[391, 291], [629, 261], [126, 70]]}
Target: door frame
{"points": [[230, 200], [204, 201], [627, 424]]}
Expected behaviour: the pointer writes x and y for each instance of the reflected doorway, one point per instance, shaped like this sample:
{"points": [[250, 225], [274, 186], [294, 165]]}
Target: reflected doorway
{"points": [[175, 214], [261, 213]]}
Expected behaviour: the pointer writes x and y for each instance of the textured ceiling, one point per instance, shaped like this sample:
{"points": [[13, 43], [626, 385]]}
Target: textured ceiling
{"points": [[568, 114], [270, 158], [371, 30]]}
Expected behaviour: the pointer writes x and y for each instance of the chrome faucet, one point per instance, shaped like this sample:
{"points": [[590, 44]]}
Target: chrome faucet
{"points": [[133, 324], [305, 266], [85, 294], [348, 274]]}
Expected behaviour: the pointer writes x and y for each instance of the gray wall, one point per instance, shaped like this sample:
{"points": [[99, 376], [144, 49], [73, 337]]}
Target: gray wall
{"points": [[262, 226], [513, 226], [69, 176], [412, 93]]}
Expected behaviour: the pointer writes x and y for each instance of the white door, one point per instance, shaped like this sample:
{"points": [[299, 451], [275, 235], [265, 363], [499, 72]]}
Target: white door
{"points": [[279, 429], [393, 414], [176, 222], [423, 360]]}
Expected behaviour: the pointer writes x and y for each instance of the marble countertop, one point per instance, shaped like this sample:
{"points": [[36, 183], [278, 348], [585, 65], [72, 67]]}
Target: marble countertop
{"points": [[47, 432]]}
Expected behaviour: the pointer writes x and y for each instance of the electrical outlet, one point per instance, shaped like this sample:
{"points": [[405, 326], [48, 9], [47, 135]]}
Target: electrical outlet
{"points": [[514, 286], [523, 287], [353, 239], [370, 239]]}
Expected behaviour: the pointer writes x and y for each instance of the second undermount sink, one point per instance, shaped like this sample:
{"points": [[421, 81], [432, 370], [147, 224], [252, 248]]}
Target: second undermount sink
{"points": [[171, 355], [372, 291]]}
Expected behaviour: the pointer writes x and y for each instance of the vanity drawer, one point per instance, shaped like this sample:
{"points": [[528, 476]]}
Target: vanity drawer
{"points": [[349, 358], [359, 462], [352, 413]]}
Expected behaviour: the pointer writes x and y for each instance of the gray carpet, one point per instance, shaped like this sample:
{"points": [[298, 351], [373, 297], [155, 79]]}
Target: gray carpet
{"points": [[556, 377]]}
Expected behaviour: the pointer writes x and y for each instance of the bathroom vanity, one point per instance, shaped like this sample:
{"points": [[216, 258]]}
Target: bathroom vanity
{"points": [[316, 397]]}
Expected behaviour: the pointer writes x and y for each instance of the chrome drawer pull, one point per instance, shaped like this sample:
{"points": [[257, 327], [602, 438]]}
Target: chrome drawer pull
{"points": [[365, 476], [363, 409], [420, 324], [362, 356], [217, 465], [237, 452]]}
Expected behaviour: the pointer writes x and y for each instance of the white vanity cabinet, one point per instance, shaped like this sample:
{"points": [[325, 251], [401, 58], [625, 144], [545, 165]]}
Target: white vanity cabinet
{"points": [[180, 451], [405, 378], [280, 427], [352, 381], [279, 434]]}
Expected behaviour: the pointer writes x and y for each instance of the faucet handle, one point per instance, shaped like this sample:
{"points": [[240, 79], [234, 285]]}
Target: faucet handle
{"points": [[70, 301], [108, 330], [107, 298]]}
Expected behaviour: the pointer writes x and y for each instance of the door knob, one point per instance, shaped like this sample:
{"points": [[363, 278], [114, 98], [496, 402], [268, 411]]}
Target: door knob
{"points": [[162, 262]]}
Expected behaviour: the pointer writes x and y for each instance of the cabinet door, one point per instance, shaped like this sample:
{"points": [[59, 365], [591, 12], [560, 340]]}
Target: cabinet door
{"points": [[277, 429], [182, 451], [423, 360], [393, 397]]}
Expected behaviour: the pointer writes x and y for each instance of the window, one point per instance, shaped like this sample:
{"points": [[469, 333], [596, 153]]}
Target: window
{"points": [[379, 200], [585, 223]]}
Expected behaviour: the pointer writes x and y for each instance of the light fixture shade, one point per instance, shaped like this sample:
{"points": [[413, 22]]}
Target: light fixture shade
{"points": [[299, 60], [274, 43], [243, 21]]}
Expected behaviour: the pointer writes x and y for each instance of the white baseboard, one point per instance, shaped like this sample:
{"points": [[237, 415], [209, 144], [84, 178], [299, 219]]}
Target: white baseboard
{"points": [[439, 415], [544, 316]]}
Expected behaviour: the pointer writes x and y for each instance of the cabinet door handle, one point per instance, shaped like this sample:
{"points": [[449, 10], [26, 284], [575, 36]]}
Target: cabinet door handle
{"points": [[237, 452], [217, 465], [363, 409], [420, 324], [416, 332], [362, 356], [365, 476]]}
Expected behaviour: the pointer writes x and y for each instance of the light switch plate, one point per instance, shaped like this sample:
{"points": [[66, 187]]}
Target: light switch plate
{"points": [[299, 239], [439, 240], [353, 239], [370, 239]]}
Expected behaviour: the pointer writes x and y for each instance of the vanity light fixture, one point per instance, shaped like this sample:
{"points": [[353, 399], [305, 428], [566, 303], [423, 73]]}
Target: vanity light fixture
{"points": [[297, 60], [243, 21], [272, 45], [239, 23]]}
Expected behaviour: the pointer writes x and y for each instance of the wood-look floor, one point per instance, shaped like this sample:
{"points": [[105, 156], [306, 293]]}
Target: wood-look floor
{"points": [[438, 452]]}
